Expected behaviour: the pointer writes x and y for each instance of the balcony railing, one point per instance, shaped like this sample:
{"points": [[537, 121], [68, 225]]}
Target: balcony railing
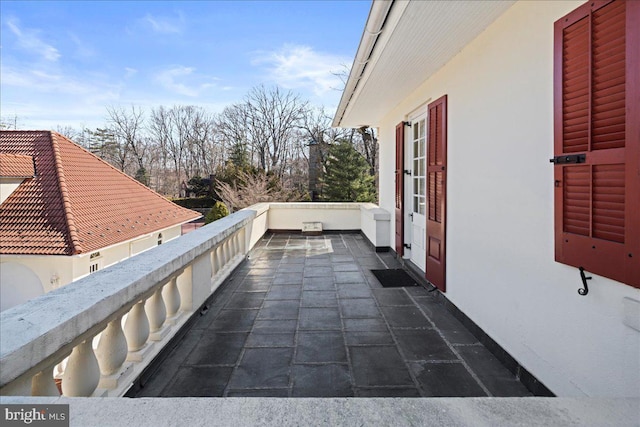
{"points": [[94, 337]]}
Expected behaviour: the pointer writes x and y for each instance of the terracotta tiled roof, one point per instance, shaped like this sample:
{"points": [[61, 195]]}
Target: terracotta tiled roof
{"points": [[16, 166], [76, 203]]}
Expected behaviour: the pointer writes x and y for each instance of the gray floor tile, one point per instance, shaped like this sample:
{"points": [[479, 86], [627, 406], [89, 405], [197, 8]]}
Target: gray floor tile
{"points": [[318, 284], [217, 349], [392, 297], [254, 285], [320, 347], [346, 267], [284, 292], [198, 381], [495, 377], [240, 300], [405, 317], [262, 368], [370, 325], [319, 319], [369, 338], [275, 326], [321, 381], [351, 290], [282, 310], [234, 321], [287, 279], [379, 366], [422, 344], [388, 392], [349, 277], [352, 308], [445, 380], [319, 299], [317, 271], [272, 392], [270, 340], [291, 330]]}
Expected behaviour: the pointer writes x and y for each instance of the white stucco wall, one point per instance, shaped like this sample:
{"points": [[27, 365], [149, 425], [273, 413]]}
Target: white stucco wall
{"points": [[8, 186], [500, 255], [66, 269]]}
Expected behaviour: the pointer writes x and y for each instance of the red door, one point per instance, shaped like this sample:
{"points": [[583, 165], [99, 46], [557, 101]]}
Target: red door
{"points": [[399, 188], [437, 193]]}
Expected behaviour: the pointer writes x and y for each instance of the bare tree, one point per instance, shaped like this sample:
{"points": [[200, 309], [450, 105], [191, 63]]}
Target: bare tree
{"points": [[273, 116], [127, 127]]}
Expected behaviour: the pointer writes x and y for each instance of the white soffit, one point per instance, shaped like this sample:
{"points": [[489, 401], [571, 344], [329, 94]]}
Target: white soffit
{"points": [[418, 38]]}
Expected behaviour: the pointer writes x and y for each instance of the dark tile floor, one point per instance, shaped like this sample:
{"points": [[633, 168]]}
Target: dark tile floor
{"points": [[304, 316]]}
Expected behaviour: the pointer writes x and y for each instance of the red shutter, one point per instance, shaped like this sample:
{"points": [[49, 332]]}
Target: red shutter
{"points": [[437, 192], [399, 188], [597, 113]]}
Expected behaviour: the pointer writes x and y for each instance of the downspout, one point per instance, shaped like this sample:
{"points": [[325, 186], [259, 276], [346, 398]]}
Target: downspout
{"points": [[375, 22]]}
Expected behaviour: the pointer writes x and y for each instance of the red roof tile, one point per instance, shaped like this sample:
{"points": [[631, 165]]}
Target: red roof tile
{"points": [[16, 166], [76, 203]]}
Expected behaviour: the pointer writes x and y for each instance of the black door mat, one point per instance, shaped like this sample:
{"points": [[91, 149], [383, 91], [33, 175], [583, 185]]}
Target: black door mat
{"points": [[394, 278]]}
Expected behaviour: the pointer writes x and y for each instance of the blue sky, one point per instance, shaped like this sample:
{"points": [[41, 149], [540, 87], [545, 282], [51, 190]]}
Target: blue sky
{"points": [[63, 63]]}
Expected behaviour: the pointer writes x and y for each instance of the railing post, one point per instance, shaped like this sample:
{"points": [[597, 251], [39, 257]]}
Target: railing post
{"points": [[112, 348], [82, 373], [156, 311], [43, 384], [136, 328], [171, 297]]}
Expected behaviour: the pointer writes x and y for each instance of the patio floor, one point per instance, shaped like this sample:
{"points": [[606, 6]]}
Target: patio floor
{"points": [[304, 316]]}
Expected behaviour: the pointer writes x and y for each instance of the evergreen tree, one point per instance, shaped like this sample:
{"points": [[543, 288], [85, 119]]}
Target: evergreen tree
{"points": [[346, 177]]}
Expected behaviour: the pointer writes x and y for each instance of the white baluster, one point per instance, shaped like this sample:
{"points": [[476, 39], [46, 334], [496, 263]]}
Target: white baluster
{"points": [[136, 328], [236, 244], [219, 256], [156, 311], [214, 263], [82, 374], [225, 251], [243, 241], [171, 297], [112, 348], [43, 384]]}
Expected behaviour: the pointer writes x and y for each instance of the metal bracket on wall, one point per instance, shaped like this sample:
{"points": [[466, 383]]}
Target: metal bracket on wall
{"points": [[573, 158], [585, 290]]}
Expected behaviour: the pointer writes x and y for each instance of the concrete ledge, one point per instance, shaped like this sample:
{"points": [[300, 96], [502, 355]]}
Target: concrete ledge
{"points": [[528, 411], [33, 334]]}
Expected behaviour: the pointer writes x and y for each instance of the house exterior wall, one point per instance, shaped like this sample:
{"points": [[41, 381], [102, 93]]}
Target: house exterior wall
{"points": [[500, 231], [69, 268], [8, 186]]}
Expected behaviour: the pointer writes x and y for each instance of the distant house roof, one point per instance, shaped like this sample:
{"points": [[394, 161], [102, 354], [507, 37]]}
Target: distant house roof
{"points": [[16, 166], [76, 203]]}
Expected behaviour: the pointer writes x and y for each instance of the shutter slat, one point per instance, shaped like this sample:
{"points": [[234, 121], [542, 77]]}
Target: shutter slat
{"points": [[608, 217], [576, 200]]}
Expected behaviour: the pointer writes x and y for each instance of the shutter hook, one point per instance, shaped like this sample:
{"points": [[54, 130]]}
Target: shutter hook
{"points": [[585, 290]]}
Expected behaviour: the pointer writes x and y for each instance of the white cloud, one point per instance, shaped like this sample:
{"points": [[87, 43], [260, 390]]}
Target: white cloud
{"points": [[295, 67], [164, 24], [29, 40], [83, 50], [130, 72], [184, 81]]}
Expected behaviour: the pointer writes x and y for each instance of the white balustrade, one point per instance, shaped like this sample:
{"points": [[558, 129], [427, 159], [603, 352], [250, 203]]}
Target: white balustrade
{"points": [[112, 348], [124, 348], [43, 383], [171, 297], [136, 328], [82, 373], [156, 311]]}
